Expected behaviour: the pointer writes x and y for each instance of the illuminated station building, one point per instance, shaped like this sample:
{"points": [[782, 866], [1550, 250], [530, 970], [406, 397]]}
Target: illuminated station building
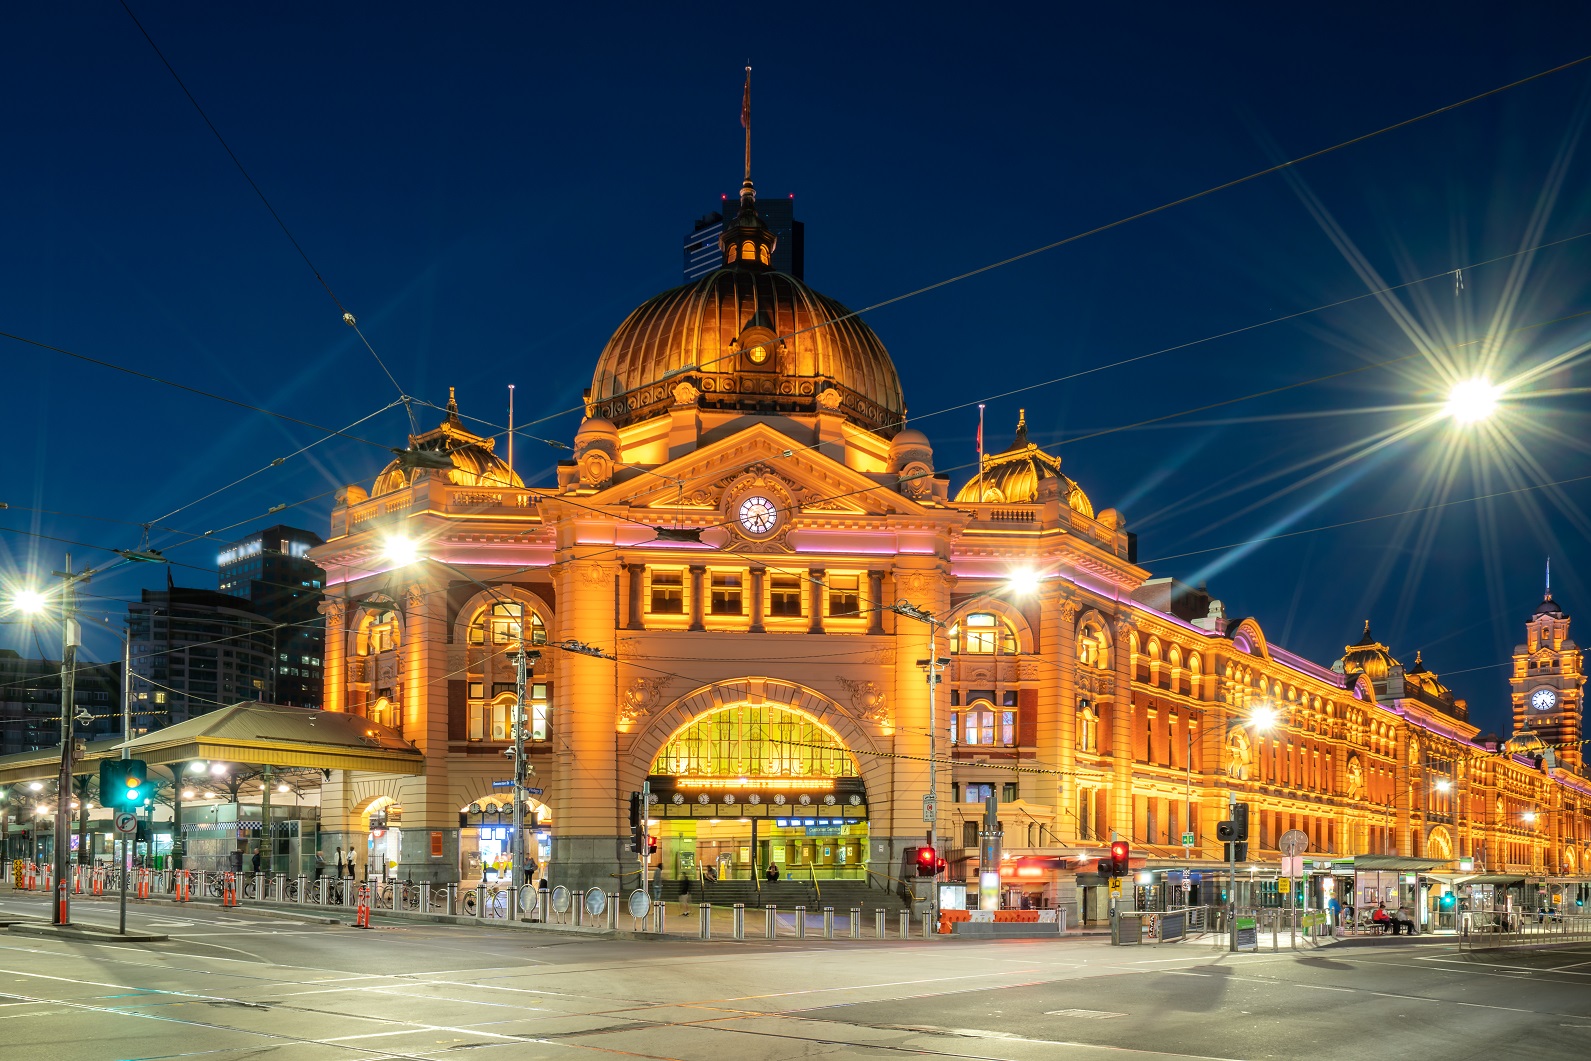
{"points": [[745, 508]]}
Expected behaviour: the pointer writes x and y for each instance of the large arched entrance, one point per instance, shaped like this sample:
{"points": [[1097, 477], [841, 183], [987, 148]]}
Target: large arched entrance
{"points": [[749, 786]]}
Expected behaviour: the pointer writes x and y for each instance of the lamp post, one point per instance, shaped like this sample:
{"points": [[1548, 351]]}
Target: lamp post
{"points": [[1261, 718]]}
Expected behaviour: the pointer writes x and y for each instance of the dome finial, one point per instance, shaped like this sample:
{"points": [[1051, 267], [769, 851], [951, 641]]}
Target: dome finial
{"points": [[452, 408], [746, 241], [1548, 595], [1021, 427]]}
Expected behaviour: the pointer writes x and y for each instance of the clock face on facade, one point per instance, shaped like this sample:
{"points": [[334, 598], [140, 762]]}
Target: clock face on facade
{"points": [[1543, 699], [758, 515]]}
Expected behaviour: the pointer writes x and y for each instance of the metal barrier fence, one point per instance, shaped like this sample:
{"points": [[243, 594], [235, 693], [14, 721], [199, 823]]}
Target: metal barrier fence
{"points": [[1500, 929]]}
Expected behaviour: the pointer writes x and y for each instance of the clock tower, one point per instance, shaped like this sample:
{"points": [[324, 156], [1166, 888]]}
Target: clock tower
{"points": [[1548, 682]]}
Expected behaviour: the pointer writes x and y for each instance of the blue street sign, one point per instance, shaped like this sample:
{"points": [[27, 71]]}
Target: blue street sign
{"points": [[533, 791], [502, 784], [1195, 876], [1173, 876]]}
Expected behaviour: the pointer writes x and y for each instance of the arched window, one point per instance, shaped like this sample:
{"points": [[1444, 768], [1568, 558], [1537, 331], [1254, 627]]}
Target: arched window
{"points": [[763, 254], [983, 634], [1092, 648], [383, 713], [983, 724], [748, 249], [500, 624], [378, 632], [755, 740]]}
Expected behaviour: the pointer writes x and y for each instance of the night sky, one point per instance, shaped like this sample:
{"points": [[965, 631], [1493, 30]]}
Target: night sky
{"points": [[491, 189]]}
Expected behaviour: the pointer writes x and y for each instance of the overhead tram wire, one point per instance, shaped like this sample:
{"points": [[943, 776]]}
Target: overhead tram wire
{"points": [[348, 318], [1150, 212]]}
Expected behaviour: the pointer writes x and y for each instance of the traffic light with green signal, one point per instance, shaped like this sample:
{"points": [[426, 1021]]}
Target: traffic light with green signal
{"points": [[124, 783]]}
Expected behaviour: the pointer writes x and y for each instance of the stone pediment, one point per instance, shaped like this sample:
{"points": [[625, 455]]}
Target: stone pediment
{"points": [[816, 483]]}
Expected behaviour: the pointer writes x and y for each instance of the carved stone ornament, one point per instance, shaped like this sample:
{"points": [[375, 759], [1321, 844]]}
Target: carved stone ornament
{"points": [[1124, 625], [867, 700], [685, 393], [641, 698], [880, 657], [916, 480], [829, 399], [1027, 671], [596, 468], [1067, 610], [1095, 682], [334, 610], [591, 574], [413, 597]]}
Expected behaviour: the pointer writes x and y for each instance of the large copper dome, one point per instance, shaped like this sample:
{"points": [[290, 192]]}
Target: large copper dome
{"points": [[749, 339]]}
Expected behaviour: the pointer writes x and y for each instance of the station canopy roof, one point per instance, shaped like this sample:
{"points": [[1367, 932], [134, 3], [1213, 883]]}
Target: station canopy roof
{"points": [[247, 732]]}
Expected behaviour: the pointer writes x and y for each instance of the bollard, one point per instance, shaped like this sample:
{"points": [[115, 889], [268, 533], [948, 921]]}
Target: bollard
{"points": [[184, 894], [801, 922], [480, 900], [325, 885], [303, 889], [657, 917], [613, 911], [856, 922], [880, 924], [229, 890], [425, 898], [828, 922], [704, 924], [452, 907], [905, 924], [770, 922], [927, 927], [281, 887], [579, 907], [739, 931]]}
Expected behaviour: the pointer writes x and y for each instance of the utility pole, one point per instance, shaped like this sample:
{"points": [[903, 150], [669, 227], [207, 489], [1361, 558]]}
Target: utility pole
{"points": [[931, 668], [62, 914], [523, 662]]}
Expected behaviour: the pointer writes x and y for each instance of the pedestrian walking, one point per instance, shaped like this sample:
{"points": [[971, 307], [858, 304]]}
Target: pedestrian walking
{"points": [[320, 864], [254, 863], [685, 896]]}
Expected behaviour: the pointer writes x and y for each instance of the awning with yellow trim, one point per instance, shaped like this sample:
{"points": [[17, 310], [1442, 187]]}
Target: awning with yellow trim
{"points": [[249, 732]]}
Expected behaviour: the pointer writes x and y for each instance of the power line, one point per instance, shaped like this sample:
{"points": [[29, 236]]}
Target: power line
{"points": [[347, 317]]}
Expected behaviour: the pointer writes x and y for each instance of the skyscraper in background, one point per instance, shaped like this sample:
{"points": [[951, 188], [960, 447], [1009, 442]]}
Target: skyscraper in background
{"points": [[272, 570], [194, 650], [702, 255]]}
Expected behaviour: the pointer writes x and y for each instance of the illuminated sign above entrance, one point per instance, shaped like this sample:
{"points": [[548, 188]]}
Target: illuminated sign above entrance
{"points": [[782, 784]]}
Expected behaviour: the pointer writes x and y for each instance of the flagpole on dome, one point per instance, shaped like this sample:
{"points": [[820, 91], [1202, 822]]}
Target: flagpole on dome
{"points": [[980, 451], [745, 118]]}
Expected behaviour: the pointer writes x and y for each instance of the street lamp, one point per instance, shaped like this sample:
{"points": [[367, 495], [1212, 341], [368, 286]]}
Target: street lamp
{"points": [[1472, 400], [1262, 718]]}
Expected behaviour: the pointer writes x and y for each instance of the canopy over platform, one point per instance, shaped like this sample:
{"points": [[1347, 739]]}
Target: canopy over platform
{"points": [[247, 732], [1382, 864]]}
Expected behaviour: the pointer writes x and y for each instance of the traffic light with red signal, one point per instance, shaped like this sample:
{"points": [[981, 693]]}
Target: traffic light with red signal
{"points": [[1120, 858], [929, 862]]}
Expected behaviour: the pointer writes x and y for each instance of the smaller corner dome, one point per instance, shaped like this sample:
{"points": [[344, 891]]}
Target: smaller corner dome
{"points": [[1367, 655], [909, 437], [596, 427], [1548, 608], [474, 462], [1427, 679], [1013, 475]]}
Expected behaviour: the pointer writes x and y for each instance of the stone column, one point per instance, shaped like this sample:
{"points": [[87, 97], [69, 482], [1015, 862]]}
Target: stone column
{"points": [[758, 575], [334, 670], [1401, 779], [1121, 726], [1057, 701], [815, 583], [637, 574], [698, 577], [587, 813], [426, 800]]}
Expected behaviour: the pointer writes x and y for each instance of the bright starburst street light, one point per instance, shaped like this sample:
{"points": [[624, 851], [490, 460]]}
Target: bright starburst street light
{"points": [[1263, 717], [401, 550], [1472, 400], [29, 601]]}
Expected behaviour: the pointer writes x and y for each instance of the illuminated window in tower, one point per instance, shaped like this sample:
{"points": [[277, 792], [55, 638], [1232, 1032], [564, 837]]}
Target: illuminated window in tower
{"points": [[982, 724], [755, 740], [668, 592], [748, 249], [1087, 730], [784, 595], [1092, 649], [983, 635], [726, 593], [762, 253]]}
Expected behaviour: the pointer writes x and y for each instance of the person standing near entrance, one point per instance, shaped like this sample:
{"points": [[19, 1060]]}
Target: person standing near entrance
{"points": [[351, 867], [685, 896], [337, 862], [320, 865]]}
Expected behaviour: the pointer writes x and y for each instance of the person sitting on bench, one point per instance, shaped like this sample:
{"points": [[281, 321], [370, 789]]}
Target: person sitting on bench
{"points": [[1382, 920]]}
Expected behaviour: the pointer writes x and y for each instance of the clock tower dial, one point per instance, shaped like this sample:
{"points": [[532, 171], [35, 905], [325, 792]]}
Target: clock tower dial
{"points": [[1543, 699]]}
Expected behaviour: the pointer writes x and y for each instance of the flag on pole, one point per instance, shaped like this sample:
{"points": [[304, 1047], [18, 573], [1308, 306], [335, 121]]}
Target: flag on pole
{"points": [[745, 103], [980, 434]]}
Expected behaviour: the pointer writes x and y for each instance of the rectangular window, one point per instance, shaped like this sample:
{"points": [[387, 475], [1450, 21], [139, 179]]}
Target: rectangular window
{"points": [[969, 834], [500, 715], [668, 592], [506, 620], [477, 690], [726, 593], [499, 688], [784, 595], [979, 793], [477, 721], [1008, 792], [1008, 698], [1008, 728], [539, 709], [845, 596]]}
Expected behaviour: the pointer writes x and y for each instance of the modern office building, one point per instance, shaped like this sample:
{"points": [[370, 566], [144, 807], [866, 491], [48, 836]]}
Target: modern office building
{"points": [[272, 570], [194, 650], [30, 701], [703, 253]]}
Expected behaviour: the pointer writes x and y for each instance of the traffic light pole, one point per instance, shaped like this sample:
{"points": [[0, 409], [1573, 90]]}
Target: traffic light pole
{"points": [[62, 913], [518, 866], [1231, 878]]}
